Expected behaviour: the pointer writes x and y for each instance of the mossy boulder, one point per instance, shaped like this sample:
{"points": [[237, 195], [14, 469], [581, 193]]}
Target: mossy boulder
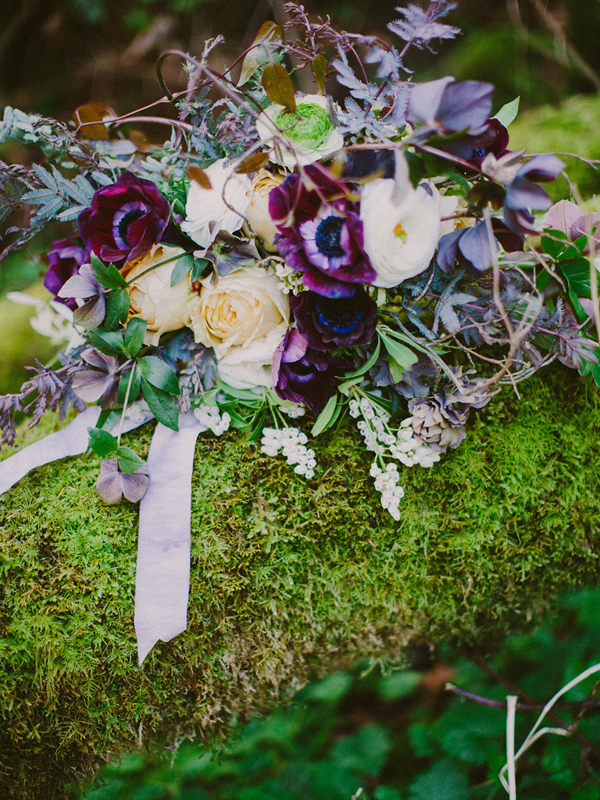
{"points": [[289, 580]]}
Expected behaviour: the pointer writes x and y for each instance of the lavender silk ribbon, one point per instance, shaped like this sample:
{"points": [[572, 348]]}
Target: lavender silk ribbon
{"points": [[70, 441], [163, 561]]}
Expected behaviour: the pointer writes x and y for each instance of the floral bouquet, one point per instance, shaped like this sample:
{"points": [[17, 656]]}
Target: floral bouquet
{"points": [[367, 247]]}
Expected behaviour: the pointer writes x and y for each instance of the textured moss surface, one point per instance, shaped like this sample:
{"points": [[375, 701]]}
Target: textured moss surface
{"points": [[569, 128], [289, 580]]}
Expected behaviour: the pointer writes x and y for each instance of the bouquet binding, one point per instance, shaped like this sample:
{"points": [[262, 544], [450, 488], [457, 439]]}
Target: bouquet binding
{"points": [[283, 254]]}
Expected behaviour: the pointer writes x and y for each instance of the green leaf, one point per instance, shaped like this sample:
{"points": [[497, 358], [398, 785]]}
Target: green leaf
{"points": [[278, 86], [367, 365], [246, 395], [268, 32], [402, 355], [343, 387], [442, 782], [109, 342], [109, 276], [134, 335], [319, 68], [365, 751], [136, 382], [398, 684], [117, 308], [328, 690], [199, 269], [577, 275], [552, 247], [159, 374], [128, 459], [102, 442], [508, 112], [162, 405], [324, 420], [386, 793], [181, 268]]}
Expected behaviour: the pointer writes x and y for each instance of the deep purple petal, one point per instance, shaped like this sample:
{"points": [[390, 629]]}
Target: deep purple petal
{"points": [[424, 100], [465, 106], [477, 247], [330, 323], [448, 247], [328, 287]]}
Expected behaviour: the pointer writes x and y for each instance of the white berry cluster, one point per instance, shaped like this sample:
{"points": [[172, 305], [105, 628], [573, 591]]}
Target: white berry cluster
{"points": [[290, 281], [292, 444], [386, 482], [293, 412], [401, 446], [211, 419]]}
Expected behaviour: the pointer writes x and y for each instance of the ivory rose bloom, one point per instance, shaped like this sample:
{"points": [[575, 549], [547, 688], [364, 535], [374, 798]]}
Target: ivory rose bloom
{"points": [[244, 317], [220, 208], [301, 138], [257, 212], [153, 298]]}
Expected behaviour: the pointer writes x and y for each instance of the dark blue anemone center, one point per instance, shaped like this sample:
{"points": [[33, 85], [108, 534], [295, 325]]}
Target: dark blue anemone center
{"points": [[328, 236], [479, 152], [340, 315], [128, 220]]}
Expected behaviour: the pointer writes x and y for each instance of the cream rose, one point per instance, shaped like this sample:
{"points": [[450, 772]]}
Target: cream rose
{"points": [[221, 208], [244, 317], [301, 138], [153, 298], [257, 212]]}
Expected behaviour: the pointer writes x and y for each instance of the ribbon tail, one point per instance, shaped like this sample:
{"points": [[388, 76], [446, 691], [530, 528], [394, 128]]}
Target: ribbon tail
{"points": [[163, 558], [70, 441]]}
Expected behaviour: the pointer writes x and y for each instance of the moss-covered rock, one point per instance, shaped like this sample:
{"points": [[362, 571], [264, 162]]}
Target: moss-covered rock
{"points": [[289, 580]]}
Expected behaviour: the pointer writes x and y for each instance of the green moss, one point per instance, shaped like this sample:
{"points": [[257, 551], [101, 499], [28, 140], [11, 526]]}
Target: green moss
{"points": [[571, 127], [289, 580]]}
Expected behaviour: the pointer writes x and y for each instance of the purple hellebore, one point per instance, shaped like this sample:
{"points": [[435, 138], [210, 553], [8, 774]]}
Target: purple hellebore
{"points": [[65, 258], [567, 217], [112, 484], [320, 232], [332, 322], [125, 220], [522, 193], [447, 106], [304, 375], [473, 245], [474, 148]]}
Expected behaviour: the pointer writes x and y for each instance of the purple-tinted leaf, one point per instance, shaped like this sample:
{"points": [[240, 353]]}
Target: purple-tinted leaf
{"points": [[135, 485], [477, 247], [95, 358], [90, 384], [109, 484], [92, 313]]}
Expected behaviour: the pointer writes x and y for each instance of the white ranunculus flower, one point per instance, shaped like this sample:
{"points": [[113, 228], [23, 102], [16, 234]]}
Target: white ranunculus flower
{"points": [[244, 317], [206, 211], [303, 138], [153, 298], [401, 228]]}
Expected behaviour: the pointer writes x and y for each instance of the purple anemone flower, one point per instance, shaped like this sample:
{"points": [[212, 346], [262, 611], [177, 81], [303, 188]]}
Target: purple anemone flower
{"points": [[320, 232], [125, 220], [65, 258], [305, 375], [522, 193], [332, 322], [447, 106]]}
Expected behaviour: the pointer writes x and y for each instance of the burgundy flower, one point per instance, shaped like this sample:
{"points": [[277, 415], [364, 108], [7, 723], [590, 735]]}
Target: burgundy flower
{"points": [[304, 375], [65, 258], [320, 232], [331, 322], [125, 220], [474, 148]]}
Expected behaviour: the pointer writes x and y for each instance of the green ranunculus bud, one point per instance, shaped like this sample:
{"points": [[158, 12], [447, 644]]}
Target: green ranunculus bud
{"points": [[310, 127]]}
